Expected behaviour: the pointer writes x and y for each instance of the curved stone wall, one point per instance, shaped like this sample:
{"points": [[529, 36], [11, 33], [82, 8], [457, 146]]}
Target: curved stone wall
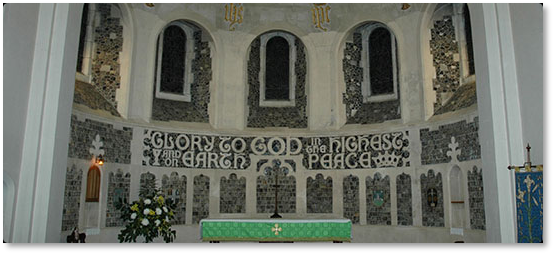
{"points": [[374, 177]]}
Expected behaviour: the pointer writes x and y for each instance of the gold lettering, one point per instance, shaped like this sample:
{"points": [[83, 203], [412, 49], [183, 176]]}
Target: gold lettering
{"points": [[233, 14], [320, 14]]}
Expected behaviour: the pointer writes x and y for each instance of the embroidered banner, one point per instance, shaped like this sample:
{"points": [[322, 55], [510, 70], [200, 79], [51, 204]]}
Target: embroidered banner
{"points": [[529, 194]]}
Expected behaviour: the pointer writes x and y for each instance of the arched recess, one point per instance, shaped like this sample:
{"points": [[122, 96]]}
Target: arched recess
{"points": [[193, 105], [93, 184], [291, 112], [126, 59], [104, 54], [457, 198], [447, 59], [361, 106]]}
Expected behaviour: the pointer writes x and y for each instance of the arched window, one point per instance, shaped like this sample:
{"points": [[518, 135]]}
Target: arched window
{"points": [[174, 62], [378, 63], [93, 184], [277, 69], [277, 75]]}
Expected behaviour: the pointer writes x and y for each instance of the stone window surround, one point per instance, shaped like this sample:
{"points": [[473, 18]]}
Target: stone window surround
{"points": [[190, 54], [292, 75], [84, 74], [366, 84]]}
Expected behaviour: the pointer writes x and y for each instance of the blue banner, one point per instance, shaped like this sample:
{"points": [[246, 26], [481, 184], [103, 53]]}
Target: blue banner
{"points": [[529, 195]]}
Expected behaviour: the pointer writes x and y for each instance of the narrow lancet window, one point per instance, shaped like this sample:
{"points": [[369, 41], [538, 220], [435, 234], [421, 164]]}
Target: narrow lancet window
{"points": [[173, 60], [277, 69], [380, 62]]}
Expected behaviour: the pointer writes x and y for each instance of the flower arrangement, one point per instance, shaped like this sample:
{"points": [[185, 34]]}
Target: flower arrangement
{"points": [[148, 217]]}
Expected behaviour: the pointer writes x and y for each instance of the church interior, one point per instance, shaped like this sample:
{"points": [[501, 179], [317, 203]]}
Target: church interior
{"points": [[404, 123]]}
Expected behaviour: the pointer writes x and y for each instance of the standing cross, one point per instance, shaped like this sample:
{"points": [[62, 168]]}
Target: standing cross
{"points": [[527, 165], [276, 170]]}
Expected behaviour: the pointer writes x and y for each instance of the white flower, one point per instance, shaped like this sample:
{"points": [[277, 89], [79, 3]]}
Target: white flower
{"points": [[158, 211], [133, 216], [165, 209], [146, 211], [147, 201], [166, 218], [145, 222], [157, 222]]}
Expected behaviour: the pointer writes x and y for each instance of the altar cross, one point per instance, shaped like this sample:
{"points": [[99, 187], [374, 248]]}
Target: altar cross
{"points": [[276, 169]]}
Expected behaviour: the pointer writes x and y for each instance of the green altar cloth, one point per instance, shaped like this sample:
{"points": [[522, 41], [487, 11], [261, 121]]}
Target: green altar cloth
{"points": [[275, 230]]}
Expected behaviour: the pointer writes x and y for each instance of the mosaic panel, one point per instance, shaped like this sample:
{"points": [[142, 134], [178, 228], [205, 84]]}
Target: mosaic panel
{"points": [[434, 144], [72, 198], [118, 191], [378, 200], [108, 38], [147, 185], [319, 194], [476, 199], [200, 198], [232, 195], [292, 117], [432, 201], [265, 194], [358, 112], [182, 150], [197, 109], [175, 188], [446, 59], [351, 198], [117, 143], [86, 94], [404, 199]]}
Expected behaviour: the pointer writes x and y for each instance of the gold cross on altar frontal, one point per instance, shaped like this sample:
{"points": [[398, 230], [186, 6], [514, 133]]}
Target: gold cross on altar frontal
{"points": [[276, 229]]}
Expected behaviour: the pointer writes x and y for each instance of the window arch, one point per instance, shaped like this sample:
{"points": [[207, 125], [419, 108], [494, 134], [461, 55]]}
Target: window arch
{"points": [[378, 63], [174, 62], [277, 72], [93, 184]]}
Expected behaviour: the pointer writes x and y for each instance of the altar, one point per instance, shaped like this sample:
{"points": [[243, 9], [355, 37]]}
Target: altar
{"points": [[275, 230]]}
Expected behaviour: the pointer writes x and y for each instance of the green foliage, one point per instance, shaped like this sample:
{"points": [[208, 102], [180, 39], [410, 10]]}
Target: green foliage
{"points": [[148, 217]]}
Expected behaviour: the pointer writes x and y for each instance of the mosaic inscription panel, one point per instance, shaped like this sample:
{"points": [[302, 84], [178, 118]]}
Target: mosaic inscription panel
{"points": [[181, 150]]}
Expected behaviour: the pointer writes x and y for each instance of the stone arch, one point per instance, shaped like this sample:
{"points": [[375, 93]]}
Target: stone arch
{"points": [[360, 107], [292, 113], [457, 197]]}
